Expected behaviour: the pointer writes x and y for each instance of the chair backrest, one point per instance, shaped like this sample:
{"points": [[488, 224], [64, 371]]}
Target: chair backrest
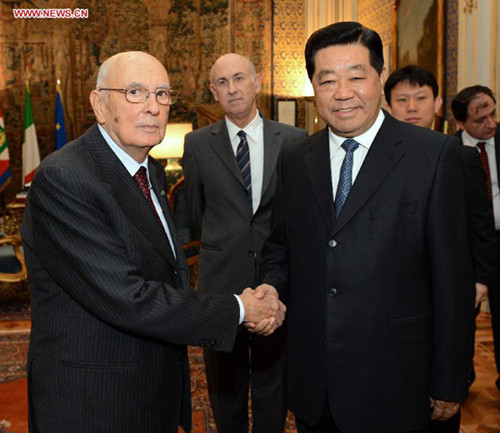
{"points": [[179, 205], [12, 264]]}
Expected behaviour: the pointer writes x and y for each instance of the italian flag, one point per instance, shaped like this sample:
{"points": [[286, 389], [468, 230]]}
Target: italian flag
{"points": [[4, 156], [31, 153]]}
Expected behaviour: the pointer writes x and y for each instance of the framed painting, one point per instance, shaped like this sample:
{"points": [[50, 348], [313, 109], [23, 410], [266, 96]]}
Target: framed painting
{"points": [[418, 36]]}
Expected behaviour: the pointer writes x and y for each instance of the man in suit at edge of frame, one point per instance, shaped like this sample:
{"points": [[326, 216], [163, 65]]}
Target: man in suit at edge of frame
{"points": [[413, 96], [474, 109]]}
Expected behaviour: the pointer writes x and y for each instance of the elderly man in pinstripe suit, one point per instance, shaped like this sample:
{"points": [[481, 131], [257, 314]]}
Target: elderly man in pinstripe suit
{"points": [[111, 309]]}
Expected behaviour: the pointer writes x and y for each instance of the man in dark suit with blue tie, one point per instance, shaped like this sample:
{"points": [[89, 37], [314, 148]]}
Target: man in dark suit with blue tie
{"points": [[111, 309], [369, 251]]}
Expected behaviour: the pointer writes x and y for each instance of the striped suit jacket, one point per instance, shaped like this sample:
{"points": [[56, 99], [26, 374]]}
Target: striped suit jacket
{"points": [[111, 309]]}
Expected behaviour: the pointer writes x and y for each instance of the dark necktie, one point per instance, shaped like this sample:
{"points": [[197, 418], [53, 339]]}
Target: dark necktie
{"points": [[141, 178], [483, 156], [243, 160], [345, 178]]}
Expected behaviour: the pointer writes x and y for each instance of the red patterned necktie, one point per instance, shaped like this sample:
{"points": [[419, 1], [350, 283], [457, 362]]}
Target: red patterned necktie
{"points": [[141, 178], [483, 156]]}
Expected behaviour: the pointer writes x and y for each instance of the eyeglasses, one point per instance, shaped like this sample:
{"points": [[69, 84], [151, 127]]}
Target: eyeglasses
{"points": [[139, 95]]}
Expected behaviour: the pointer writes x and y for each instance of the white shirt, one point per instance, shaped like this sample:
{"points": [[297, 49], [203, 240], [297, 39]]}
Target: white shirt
{"points": [[132, 167], [468, 140], [337, 153], [255, 138]]}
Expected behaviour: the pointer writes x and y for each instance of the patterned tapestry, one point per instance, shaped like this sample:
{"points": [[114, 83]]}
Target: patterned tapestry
{"points": [[186, 35]]}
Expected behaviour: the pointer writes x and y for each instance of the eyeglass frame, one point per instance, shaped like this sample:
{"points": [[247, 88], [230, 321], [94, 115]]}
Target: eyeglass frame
{"points": [[173, 94]]}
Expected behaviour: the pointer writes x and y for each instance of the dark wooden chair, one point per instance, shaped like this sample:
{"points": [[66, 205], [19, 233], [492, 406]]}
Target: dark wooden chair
{"points": [[12, 264], [178, 203]]}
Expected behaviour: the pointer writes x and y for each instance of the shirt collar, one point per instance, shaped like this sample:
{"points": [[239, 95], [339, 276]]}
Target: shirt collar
{"points": [[251, 129], [365, 139], [469, 140], [130, 163]]}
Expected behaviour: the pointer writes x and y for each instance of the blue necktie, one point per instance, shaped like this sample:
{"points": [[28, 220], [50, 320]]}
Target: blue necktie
{"points": [[345, 178], [243, 160]]}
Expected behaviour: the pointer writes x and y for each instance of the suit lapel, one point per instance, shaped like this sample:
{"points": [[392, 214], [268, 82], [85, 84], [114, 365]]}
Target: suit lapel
{"points": [[383, 155], [158, 181], [272, 147], [318, 168], [497, 149], [127, 195], [221, 145]]}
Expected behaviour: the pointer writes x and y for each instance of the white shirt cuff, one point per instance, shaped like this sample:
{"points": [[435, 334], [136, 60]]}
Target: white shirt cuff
{"points": [[242, 309]]}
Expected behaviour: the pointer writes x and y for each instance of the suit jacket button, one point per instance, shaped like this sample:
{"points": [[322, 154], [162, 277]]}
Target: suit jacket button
{"points": [[252, 254], [253, 223], [332, 243], [332, 292]]}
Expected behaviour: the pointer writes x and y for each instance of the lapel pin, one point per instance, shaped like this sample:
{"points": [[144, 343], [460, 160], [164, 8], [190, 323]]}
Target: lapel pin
{"points": [[162, 193]]}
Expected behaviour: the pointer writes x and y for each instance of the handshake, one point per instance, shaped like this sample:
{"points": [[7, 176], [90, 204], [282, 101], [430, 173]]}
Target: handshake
{"points": [[264, 312]]}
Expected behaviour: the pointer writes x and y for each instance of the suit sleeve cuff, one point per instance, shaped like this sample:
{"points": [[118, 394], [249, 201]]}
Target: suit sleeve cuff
{"points": [[242, 309]]}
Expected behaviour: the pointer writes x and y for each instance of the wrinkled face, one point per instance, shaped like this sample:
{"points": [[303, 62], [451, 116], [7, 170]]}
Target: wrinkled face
{"points": [[348, 90], [234, 87], [135, 127], [414, 104], [481, 120]]}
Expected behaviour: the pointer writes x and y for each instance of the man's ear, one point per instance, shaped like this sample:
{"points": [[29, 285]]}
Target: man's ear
{"points": [[383, 78], [258, 82], [461, 125], [98, 105], [438, 102], [214, 91]]}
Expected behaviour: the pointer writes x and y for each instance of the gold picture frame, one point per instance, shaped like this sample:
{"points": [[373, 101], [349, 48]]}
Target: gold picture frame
{"points": [[418, 36]]}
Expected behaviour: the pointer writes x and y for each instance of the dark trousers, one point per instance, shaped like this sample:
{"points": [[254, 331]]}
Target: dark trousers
{"points": [[327, 424], [494, 300], [256, 362]]}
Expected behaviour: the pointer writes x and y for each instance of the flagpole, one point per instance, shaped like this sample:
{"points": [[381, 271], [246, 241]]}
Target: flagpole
{"points": [[30, 150]]}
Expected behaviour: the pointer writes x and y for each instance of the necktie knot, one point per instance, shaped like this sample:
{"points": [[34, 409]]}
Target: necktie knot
{"points": [[141, 178], [350, 145], [242, 134]]}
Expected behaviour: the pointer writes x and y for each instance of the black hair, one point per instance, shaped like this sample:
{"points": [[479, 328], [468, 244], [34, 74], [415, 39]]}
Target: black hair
{"points": [[345, 33], [460, 103], [414, 76]]}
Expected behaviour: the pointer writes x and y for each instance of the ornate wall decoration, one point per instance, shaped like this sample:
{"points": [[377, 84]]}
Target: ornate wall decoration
{"points": [[377, 15], [289, 38], [186, 35], [250, 35], [451, 61]]}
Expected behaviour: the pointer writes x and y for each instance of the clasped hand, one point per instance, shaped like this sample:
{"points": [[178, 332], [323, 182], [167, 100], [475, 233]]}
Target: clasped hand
{"points": [[264, 312]]}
